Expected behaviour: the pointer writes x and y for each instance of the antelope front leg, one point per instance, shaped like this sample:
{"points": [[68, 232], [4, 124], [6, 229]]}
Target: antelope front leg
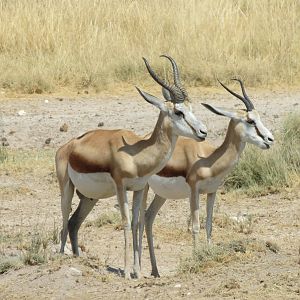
{"points": [[194, 204], [209, 214], [124, 208], [136, 204]]}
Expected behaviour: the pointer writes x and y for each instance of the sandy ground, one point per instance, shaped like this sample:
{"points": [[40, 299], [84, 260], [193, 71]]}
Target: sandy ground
{"points": [[30, 203]]}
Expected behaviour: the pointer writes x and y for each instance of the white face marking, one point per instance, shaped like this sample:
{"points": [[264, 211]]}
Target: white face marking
{"points": [[185, 123], [256, 133]]}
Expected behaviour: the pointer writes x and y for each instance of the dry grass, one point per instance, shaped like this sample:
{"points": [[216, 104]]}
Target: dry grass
{"points": [[208, 256], [35, 161], [110, 218], [45, 45]]}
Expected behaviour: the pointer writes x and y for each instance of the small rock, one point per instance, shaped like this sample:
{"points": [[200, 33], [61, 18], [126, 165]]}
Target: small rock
{"points": [[46, 101], [272, 246], [276, 116], [21, 113], [232, 284], [100, 124], [64, 128], [47, 141], [12, 132], [75, 272], [86, 92], [60, 99], [178, 285], [5, 143]]}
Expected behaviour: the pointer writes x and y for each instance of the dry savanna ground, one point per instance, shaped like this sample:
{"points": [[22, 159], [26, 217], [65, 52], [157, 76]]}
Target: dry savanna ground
{"points": [[256, 236]]}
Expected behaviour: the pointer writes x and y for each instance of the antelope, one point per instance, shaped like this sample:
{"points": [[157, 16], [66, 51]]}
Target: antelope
{"points": [[199, 168], [103, 163]]}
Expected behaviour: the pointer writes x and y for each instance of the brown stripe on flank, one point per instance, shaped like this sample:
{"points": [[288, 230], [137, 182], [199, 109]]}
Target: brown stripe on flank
{"points": [[170, 171], [82, 165]]}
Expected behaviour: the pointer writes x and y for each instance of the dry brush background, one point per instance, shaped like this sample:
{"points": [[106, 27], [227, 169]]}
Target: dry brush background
{"points": [[46, 45]]}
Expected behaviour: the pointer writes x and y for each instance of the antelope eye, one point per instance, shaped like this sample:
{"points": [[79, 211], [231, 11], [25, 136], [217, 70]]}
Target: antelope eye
{"points": [[249, 121], [179, 113]]}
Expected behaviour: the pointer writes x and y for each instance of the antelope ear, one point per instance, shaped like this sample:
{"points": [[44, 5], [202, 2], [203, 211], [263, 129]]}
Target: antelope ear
{"points": [[153, 100], [166, 94], [221, 111]]}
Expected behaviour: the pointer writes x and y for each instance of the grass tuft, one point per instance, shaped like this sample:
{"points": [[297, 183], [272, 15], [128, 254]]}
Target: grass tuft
{"points": [[3, 154], [206, 256], [9, 263], [112, 218]]}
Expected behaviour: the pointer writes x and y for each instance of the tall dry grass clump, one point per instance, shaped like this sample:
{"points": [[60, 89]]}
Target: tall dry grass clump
{"points": [[260, 171], [49, 44]]}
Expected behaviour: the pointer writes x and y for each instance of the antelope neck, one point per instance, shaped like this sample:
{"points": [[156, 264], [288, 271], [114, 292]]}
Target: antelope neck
{"points": [[162, 135], [229, 152], [233, 146]]}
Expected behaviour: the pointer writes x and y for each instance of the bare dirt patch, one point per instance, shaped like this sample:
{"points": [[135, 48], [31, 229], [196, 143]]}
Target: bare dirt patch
{"points": [[30, 207]]}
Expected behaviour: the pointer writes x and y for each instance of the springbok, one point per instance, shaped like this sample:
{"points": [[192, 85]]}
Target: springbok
{"points": [[199, 168], [102, 163]]}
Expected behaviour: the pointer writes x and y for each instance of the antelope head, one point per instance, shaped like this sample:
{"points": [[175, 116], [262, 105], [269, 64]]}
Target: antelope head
{"points": [[177, 106], [248, 122]]}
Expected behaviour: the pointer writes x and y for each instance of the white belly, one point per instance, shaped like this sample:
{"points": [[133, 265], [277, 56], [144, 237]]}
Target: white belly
{"points": [[101, 185], [93, 185], [177, 188], [170, 187]]}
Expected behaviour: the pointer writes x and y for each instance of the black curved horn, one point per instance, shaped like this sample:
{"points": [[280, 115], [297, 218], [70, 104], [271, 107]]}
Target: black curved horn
{"points": [[160, 81], [176, 93], [250, 104], [247, 102], [176, 75]]}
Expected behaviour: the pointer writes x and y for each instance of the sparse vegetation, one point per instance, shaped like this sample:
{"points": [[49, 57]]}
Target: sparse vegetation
{"points": [[9, 263], [206, 256], [260, 172], [36, 253], [112, 218], [3, 154], [94, 43], [34, 161]]}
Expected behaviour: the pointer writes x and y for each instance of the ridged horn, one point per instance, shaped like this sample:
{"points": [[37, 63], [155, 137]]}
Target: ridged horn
{"points": [[246, 100]]}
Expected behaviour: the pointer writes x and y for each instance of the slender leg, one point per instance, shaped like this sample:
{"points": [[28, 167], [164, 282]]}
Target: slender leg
{"points": [[209, 214], [124, 209], [136, 204], [194, 204], [80, 214], [66, 201], [142, 222], [151, 213]]}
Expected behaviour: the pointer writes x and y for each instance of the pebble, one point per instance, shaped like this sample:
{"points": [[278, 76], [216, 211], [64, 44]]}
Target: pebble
{"points": [[21, 113], [47, 141], [75, 272], [100, 124], [64, 127]]}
